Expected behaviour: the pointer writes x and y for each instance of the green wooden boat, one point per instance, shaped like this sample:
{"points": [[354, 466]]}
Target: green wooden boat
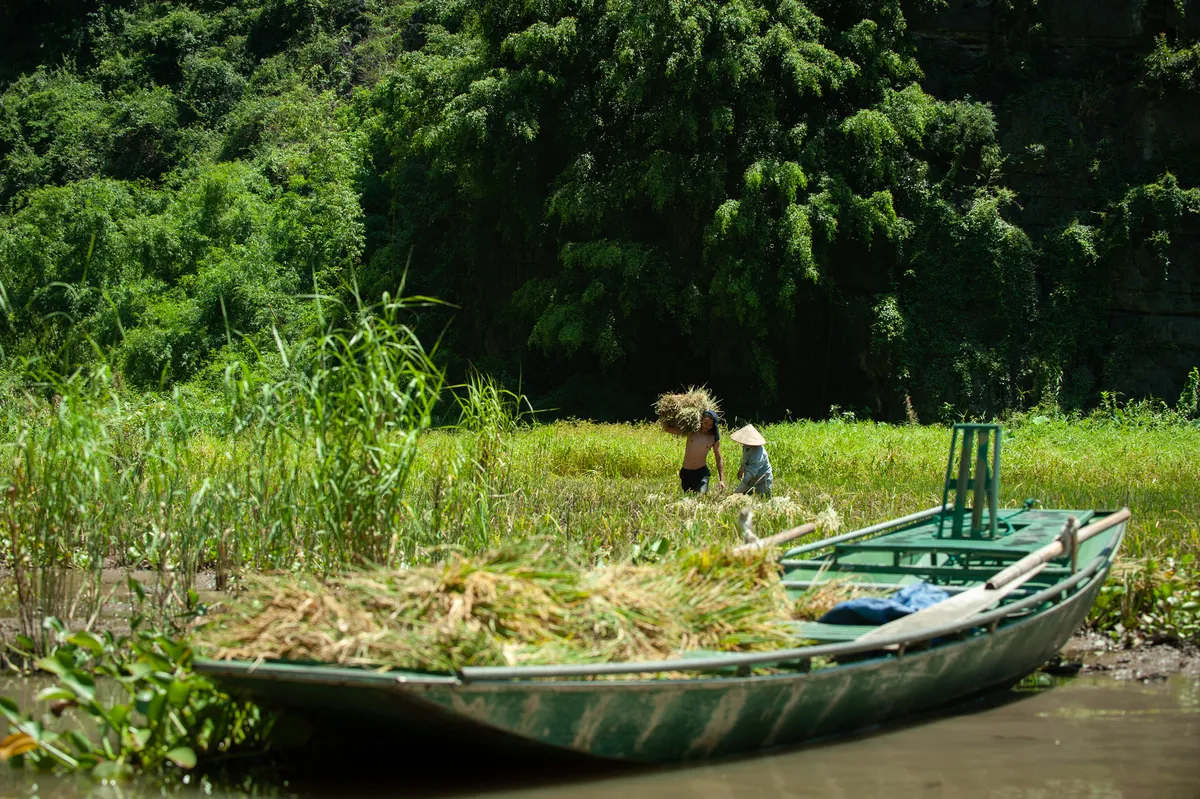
{"points": [[839, 678]]}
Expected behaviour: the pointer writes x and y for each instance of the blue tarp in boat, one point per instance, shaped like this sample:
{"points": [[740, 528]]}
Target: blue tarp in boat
{"points": [[880, 610]]}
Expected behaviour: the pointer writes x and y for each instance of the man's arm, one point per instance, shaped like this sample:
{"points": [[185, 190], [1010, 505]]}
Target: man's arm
{"points": [[672, 430], [720, 466]]}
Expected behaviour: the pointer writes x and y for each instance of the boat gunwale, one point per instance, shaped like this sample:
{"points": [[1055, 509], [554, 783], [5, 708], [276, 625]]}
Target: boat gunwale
{"points": [[326, 674]]}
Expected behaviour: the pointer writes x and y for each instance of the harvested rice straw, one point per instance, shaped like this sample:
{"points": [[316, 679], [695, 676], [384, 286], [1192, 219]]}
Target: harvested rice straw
{"points": [[683, 411], [508, 609]]}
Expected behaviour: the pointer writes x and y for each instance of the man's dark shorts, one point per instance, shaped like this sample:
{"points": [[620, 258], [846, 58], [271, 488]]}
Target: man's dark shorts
{"points": [[695, 480]]}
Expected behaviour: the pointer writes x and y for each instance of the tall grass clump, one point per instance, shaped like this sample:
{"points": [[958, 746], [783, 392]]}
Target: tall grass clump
{"points": [[64, 494], [468, 470], [306, 467], [336, 436]]}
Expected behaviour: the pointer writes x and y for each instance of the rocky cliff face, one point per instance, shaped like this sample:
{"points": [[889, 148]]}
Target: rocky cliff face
{"points": [[1079, 128]]}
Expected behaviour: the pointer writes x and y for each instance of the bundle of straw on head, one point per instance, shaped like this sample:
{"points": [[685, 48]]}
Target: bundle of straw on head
{"points": [[683, 411]]}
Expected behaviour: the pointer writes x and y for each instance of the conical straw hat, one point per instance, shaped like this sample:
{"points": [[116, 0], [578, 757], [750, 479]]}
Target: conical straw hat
{"points": [[748, 436]]}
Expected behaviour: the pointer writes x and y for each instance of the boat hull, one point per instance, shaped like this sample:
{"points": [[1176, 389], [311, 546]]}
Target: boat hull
{"points": [[664, 720]]}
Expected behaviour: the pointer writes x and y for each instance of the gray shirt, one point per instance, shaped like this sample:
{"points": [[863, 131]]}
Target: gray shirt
{"points": [[755, 461]]}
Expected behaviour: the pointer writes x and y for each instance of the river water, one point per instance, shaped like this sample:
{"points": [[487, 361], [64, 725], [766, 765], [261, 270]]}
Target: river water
{"points": [[1088, 737]]}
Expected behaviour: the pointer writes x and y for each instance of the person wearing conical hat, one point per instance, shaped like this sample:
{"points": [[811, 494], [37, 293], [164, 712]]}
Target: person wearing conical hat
{"points": [[755, 472]]}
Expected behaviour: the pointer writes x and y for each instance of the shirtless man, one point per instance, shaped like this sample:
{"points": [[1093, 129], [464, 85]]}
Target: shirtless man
{"points": [[694, 474]]}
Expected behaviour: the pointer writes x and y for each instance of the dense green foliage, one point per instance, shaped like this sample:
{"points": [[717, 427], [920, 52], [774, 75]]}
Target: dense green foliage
{"points": [[757, 193], [188, 179], [1177, 67], [704, 178], [162, 716]]}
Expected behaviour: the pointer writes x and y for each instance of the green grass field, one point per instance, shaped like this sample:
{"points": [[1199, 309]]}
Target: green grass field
{"points": [[607, 486], [244, 502]]}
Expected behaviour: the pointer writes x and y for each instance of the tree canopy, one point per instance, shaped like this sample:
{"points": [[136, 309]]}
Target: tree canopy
{"points": [[705, 174], [754, 193]]}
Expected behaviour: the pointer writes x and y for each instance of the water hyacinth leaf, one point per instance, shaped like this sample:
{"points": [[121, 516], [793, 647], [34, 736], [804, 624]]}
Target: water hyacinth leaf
{"points": [[88, 641], [154, 709], [182, 756], [135, 738], [177, 692], [109, 770], [54, 693], [9, 709], [137, 671], [80, 682], [118, 715], [53, 664]]}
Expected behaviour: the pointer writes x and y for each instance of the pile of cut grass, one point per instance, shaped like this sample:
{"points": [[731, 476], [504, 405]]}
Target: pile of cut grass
{"points": [[684, 411], [508, 608]]}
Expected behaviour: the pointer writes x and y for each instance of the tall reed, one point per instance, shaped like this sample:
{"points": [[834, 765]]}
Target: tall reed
{"points": [[304, 469]]}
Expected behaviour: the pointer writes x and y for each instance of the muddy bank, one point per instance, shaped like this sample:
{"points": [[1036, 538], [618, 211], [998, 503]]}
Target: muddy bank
{"points": [[1098, 655]]}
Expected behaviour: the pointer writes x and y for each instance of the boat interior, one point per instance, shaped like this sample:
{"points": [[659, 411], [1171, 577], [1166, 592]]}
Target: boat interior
{"points": [[956, 547]]}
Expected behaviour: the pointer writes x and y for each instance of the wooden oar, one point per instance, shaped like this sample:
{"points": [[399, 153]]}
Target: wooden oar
{"points": [[977, 599]]}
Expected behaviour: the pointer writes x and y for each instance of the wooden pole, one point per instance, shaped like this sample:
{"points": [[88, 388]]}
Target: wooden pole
{"points": [[778, 538]]}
